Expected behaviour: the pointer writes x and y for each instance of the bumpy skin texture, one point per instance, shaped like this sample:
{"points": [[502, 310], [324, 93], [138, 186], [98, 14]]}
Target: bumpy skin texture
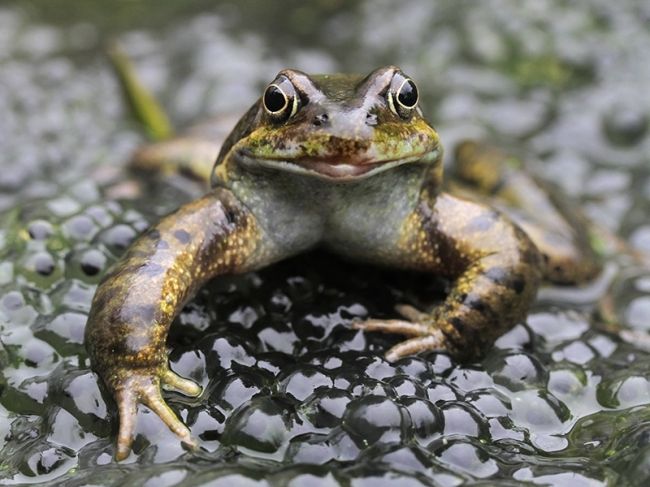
{"points": [[347, 163]]}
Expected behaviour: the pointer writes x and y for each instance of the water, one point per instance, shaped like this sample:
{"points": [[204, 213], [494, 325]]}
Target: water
{"points": [[293, 394]]}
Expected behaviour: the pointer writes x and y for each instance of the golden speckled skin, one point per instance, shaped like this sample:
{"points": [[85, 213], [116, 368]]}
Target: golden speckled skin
{"points": [[347, 163], [137, 301], [496, 270]]}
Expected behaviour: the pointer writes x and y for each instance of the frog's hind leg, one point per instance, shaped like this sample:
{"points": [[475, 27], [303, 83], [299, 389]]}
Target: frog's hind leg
{"points": [[558, 230], [191, 155]]}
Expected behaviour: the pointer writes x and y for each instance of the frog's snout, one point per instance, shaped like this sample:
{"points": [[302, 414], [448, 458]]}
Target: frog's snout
{"points": [[324, 120], [334, 126]]}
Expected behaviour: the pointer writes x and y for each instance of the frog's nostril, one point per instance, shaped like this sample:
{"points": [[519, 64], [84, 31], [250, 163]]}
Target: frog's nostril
{"points": [[371, 119], [321, 119]]}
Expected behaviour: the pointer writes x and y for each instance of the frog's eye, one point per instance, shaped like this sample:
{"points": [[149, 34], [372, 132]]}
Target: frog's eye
{"points": [[402, 96], [280, 100]]}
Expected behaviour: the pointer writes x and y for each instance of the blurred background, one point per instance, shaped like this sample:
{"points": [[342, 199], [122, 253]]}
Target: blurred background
{"points": [[562, 400]]}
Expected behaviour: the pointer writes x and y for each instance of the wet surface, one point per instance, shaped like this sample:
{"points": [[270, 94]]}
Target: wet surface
{"points": [[293, 394]]}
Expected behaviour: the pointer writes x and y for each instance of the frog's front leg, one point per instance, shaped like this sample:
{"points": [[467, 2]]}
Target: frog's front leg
{"points": [[493, 266], [136, 303]]}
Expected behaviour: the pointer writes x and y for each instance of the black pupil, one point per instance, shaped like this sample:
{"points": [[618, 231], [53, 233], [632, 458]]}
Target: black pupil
{"points": [[274, 99], [408, 94]]}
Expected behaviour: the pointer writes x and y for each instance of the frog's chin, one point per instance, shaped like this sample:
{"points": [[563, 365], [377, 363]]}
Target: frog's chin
{"points": [[335, 171]]}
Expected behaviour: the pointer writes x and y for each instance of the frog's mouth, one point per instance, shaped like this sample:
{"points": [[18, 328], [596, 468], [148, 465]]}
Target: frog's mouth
{"points": [[332, 168]]}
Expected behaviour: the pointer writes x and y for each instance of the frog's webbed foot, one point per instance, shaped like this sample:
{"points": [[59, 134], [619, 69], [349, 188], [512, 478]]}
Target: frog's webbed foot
{"points": [[420, 327], [144, 387]]}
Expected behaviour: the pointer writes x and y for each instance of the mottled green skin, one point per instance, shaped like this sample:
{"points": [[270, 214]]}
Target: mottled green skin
{"points": [[345, 172]]}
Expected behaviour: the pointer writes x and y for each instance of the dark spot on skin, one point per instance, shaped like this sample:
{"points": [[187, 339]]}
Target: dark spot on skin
{"points": [[153, 234], [467, 342], [502, 277], [482, 222], [559, 273], [480, 306], [518, 284], [152, 269], [530, 255], [501, 183], [162, 245], [321, 119], [458, 324], [182, 236], [187, 172], [475, 303], [230, 215], [497, 275]]}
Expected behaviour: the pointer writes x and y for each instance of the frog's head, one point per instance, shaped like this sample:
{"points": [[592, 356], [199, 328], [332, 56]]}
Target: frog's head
{"points": [[334, 127]]}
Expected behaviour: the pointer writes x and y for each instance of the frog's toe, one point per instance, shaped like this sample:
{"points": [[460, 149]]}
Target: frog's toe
{"points": [[398, 327], [145, 388], [412, 314], [127, 408], [434, 340], [171, 381], [153, 399], [424, 336]]}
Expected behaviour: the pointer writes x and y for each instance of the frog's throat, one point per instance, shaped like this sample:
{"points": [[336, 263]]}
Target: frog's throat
{"points": [[332, 170]]}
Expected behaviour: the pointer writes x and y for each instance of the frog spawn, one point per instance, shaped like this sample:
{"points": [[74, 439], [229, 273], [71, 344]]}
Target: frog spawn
{"points": [[289, 381]]}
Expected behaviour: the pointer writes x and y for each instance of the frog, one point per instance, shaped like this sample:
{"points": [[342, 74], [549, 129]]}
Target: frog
{"points": [[348, 163]]}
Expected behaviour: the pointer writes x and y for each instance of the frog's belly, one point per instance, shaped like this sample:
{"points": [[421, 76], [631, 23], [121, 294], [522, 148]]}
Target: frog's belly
{"points": [[365, 219]]}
